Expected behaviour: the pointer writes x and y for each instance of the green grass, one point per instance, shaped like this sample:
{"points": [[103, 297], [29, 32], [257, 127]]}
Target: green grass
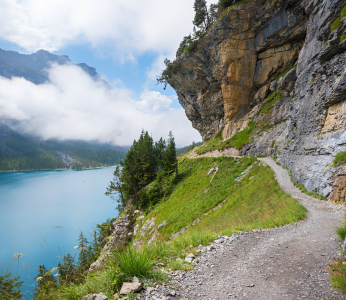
{"points": [[256, 203], [312, 80], [339, 159], [335, 24], [210, 145], [338, 268], [341, 231], [343, 12], [132, 262], [343, 37], [272, 99], [285, 72], [241, 138], [338, 274]]}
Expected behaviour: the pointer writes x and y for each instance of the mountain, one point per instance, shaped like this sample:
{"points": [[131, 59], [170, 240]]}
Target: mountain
{"points": [[33, 67], [24, 152], [272, 81]]}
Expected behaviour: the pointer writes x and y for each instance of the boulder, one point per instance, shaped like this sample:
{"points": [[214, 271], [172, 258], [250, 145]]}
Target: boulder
{"points": [[129, 287]]}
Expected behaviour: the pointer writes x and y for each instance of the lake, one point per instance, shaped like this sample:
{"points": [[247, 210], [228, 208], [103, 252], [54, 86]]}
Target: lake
{"points": [[43, 212]]}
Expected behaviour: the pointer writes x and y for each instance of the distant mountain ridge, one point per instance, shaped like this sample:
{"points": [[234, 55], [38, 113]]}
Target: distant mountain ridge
{"points": [[19, 152], [33, 67]]}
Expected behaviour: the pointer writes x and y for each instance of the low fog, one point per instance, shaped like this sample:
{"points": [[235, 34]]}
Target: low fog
{"points": [[73, 106]]}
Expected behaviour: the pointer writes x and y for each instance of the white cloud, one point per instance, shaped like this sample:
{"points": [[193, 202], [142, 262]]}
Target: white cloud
{"points": [[127, 27], [73, 106]]}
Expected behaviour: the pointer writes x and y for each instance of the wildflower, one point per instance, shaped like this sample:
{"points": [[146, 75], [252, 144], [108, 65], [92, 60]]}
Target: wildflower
{"points": [[56, 275], [75, 247], [344, 263], [54, 269], [17, 255], [39, 278]]}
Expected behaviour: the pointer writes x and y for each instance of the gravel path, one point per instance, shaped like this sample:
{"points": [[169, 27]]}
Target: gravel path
{"points": [[282, 263]]}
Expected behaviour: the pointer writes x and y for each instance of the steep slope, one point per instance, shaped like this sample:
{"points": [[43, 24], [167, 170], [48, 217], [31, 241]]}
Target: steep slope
{"points": [[293, 50]]}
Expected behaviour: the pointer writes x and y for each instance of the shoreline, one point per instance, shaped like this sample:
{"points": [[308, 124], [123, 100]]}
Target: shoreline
{"points": [[65, 169]]}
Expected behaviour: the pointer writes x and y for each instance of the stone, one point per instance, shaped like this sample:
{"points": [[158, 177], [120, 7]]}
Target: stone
{"points": [[164, 223], [122, 227], [288, 81], [135, 229], [150, 290], [129, 287], [116, 296], [190, 255], [262, 93], [135, 279], [95, 297], [212, 170], [189, 259]]}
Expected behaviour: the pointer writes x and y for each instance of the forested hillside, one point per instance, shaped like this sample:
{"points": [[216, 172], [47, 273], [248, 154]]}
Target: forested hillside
{"points": [[22, 152]]}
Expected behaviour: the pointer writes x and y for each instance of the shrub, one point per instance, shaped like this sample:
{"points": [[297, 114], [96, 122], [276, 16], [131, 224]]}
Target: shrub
{"points": [[340, 159], [338, 274], [9, 287], [223, 4], [341, 231], [132, 262]]}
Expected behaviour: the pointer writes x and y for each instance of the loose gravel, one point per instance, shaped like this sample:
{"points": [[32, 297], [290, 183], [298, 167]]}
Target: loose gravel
{"points": [[289, 262]]}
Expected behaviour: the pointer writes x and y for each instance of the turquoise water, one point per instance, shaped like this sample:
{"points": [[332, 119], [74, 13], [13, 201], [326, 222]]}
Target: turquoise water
{"points": [[42, 213]]}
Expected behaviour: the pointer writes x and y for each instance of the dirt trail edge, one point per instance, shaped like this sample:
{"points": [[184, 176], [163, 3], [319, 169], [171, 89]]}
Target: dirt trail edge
{"points": [[290, 262]]}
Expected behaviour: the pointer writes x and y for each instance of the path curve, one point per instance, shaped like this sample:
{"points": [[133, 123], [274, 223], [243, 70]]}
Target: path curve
{"points": [[282, 263]]}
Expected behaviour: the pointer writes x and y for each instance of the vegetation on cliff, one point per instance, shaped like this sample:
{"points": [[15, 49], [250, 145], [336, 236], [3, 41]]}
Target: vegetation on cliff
{"points": [[340, 159], [143, 163]]}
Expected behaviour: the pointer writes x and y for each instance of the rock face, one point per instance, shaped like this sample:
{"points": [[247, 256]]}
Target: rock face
{"points": [[242, 53], [224, 82], [122, 232]]}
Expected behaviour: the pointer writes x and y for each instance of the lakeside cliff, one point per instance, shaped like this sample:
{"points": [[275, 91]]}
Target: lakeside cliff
{"points": [[281, 66]]}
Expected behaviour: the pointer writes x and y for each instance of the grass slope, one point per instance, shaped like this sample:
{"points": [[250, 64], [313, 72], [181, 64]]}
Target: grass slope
{"points": [[255, 203]]}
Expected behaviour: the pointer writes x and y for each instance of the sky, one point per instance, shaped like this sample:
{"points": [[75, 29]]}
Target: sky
{"points": [[126, 41]]}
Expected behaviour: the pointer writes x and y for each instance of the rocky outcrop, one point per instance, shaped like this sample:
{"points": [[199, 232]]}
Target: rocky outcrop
{"points": [[122, 232], [224, 83], [242, 52]]}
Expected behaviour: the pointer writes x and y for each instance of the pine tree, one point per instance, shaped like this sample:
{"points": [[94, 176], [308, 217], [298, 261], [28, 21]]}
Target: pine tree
{"points": [[83, 252], [45, 282], [170, 156], [114, 190], [201, 19], [67, 270], [9, 287]]}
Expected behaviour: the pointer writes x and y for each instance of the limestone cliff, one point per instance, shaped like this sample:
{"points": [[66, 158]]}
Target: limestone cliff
{"points": [[225, 81]]}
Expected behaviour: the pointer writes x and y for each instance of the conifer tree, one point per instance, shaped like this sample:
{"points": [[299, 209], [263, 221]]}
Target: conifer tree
{"points": [[83, 252], [67, 270], [170, 156], [45, 281], [114, 190]]}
